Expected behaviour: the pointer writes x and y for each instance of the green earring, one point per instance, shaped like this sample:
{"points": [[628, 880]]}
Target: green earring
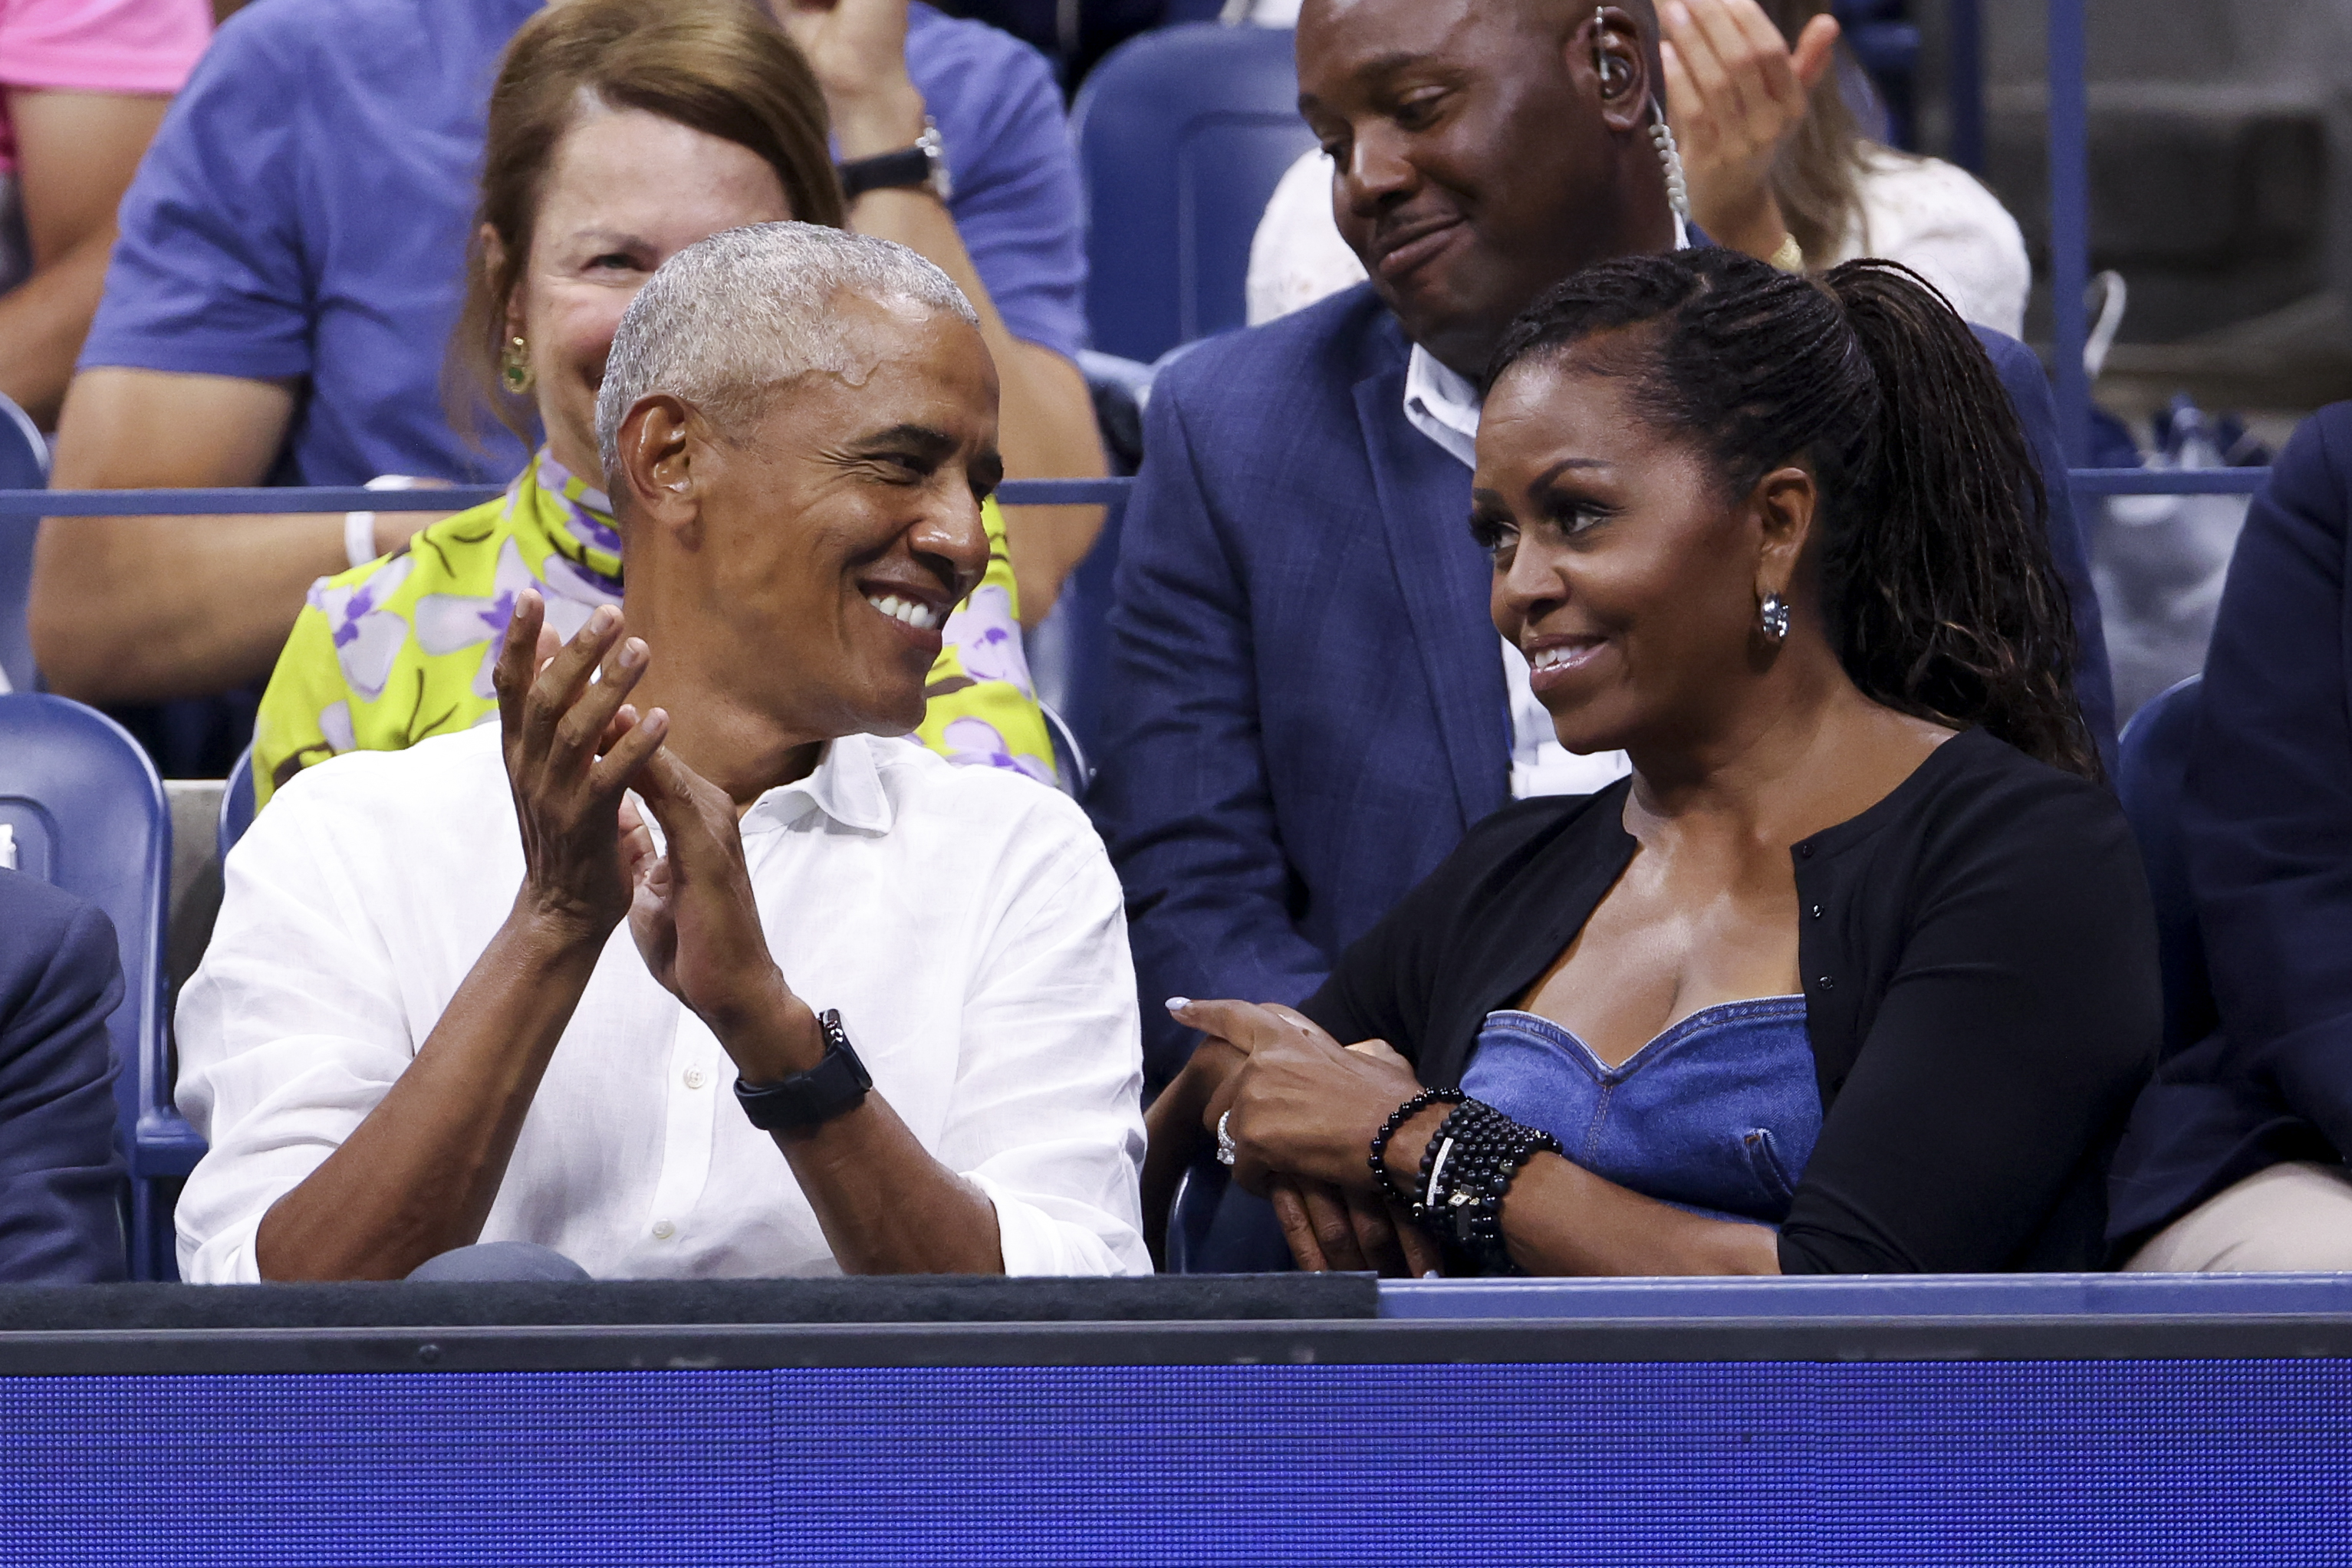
{"points": [[514, 366]]}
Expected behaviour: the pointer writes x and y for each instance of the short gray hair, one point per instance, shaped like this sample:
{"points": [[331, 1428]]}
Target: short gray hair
{"points": [[729, 318]]}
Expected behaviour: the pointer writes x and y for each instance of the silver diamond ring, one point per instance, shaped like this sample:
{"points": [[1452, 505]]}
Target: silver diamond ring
{"points": [[1226, 1153]]}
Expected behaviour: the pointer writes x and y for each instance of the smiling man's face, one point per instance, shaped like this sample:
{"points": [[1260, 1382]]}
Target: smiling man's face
{"points": [[843, 525], [1473, 168]]}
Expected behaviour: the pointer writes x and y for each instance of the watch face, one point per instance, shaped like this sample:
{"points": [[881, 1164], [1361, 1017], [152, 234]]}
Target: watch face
{"points": [[935, 152]]}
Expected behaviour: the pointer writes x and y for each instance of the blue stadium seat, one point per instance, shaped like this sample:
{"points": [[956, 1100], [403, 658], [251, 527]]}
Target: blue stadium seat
{"points": [[2151, 775], [237, 802], [1071, 770], [1182, 134], [23, 466], [1882, 38], [88, 816], [1084, 611], [1191, 1210]]}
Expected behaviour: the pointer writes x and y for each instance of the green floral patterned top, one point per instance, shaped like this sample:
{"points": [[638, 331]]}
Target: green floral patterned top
{"points": [[388, 653]]}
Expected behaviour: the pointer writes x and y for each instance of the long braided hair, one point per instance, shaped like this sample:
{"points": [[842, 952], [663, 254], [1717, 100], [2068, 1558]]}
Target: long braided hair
{"points": [[1942, 598]]}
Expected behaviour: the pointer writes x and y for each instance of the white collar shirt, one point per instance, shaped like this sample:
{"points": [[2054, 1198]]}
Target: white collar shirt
{"points": [[965, 922]]}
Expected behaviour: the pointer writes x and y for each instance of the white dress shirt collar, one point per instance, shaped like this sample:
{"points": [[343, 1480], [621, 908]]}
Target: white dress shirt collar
{"points": [[1443, 405], [845, 785]]}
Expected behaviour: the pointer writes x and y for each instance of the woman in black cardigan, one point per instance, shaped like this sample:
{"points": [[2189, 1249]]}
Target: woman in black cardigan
{"points": [[1857, 972]]}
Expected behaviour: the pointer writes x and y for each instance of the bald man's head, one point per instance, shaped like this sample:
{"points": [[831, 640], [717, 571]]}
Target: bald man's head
{"points": [[1481, 151]]}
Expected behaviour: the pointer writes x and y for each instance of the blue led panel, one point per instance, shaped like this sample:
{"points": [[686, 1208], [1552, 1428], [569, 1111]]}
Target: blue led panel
{"points": [[2136, 1463]]}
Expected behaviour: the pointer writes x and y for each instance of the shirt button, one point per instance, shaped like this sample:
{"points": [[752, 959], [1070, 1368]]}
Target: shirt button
{"points": [[694, 1079], [664, 1230]]}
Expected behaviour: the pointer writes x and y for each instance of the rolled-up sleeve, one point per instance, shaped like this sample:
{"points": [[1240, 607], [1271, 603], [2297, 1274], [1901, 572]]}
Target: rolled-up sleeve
{"points": [[289, 1034], [1047, 1112]]}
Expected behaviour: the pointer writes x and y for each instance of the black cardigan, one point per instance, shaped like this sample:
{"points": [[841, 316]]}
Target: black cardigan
{"points": [[1979, 957]]}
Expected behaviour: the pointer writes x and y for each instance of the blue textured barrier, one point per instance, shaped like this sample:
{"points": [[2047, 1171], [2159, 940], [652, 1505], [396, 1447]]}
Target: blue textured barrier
{"points": [[2122, 1463]]}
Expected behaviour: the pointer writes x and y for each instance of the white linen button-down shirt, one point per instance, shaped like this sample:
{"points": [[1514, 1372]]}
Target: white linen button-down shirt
{"points": [[965, 922]]}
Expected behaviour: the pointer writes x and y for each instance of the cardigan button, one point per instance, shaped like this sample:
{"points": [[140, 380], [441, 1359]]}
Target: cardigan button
{"points": [[1817, 912], [1804, 852], [1827, 982]]}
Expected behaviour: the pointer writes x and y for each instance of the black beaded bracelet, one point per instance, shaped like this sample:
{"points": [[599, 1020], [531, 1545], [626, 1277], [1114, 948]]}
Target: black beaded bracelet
{"points": [[1458, 1141], [1433, 1159], [1486, 1153], [1398, 1118]]}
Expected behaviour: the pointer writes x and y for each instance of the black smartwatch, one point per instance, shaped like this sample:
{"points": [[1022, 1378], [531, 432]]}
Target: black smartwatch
{"points": [[923, 166], [810, 1099]]}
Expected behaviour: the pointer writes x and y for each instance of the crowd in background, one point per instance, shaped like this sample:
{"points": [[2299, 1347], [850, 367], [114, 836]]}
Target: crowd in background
{"points": [[1710, 847]]}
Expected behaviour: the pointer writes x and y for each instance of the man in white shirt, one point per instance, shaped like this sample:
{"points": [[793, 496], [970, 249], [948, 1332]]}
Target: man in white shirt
{"points": [[420, 1026]]}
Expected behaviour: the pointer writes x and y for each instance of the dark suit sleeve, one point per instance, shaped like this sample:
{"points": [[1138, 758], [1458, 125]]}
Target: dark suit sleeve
{"points": [[1183, 797], [61, 1176], [2268, 814], [2029, 389], [2020, 1021]]}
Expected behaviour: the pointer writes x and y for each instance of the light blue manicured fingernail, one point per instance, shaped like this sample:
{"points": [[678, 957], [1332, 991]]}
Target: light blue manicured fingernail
{"points": [[1178, 1004]]}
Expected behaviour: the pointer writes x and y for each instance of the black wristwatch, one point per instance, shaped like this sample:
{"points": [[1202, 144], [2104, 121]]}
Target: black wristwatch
{"points": [[810, 1099], [922, 166]]}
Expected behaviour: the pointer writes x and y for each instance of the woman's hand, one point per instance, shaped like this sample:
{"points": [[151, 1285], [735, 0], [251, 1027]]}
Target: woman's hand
{"points": [[1350, 1231], [1735, 93], [1271, 1068], [1302, 1105], [572, 749], [857, 50]]}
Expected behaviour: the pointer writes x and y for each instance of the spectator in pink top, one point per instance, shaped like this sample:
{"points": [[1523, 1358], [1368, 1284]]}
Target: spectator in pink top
{"points": [[83, 84]]}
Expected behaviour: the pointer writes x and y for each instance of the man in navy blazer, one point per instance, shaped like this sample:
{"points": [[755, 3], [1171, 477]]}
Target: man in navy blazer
{"points": [[2233, 1159], [60, 1175], [1306, 698]]}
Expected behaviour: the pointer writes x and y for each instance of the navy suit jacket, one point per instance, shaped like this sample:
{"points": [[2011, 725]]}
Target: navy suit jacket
{"points": [[1305, 704], [61, 1173], [2266, 820]]}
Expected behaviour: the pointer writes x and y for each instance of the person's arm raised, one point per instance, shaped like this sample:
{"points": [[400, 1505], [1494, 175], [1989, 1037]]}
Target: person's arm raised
{"points": [[859, 50], [418, 1176], [1735, 93], [144, 608], [884, 1205]]}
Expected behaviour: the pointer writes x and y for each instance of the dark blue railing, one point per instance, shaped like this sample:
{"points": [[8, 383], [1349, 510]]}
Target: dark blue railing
{"points": [[1013, 493], [350, 498]]}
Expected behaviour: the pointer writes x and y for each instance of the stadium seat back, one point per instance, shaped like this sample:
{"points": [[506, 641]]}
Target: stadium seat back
{"points": [[23, 466], [2151, 778], [1084, 610], [87, 811], [1192, 1210], [1182, 134], [237, 803]]}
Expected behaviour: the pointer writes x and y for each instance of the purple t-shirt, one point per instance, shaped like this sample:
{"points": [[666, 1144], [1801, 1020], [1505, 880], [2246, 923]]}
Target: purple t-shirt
{"points": [[303, 213]]}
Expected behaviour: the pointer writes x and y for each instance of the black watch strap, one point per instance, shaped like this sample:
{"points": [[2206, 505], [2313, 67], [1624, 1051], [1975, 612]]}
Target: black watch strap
{"points": [[909, 166], [805, 1099], [923, 166]]}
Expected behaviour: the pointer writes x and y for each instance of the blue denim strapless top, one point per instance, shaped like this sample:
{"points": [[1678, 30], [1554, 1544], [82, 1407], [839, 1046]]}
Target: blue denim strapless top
{"points": [[1718, 1114]]}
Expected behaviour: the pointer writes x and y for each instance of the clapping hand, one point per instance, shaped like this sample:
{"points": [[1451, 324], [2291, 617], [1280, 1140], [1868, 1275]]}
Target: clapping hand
{"points": [[859, 50], [698, 926], [1735, 94], [573, 748], [1301, 1111]]}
